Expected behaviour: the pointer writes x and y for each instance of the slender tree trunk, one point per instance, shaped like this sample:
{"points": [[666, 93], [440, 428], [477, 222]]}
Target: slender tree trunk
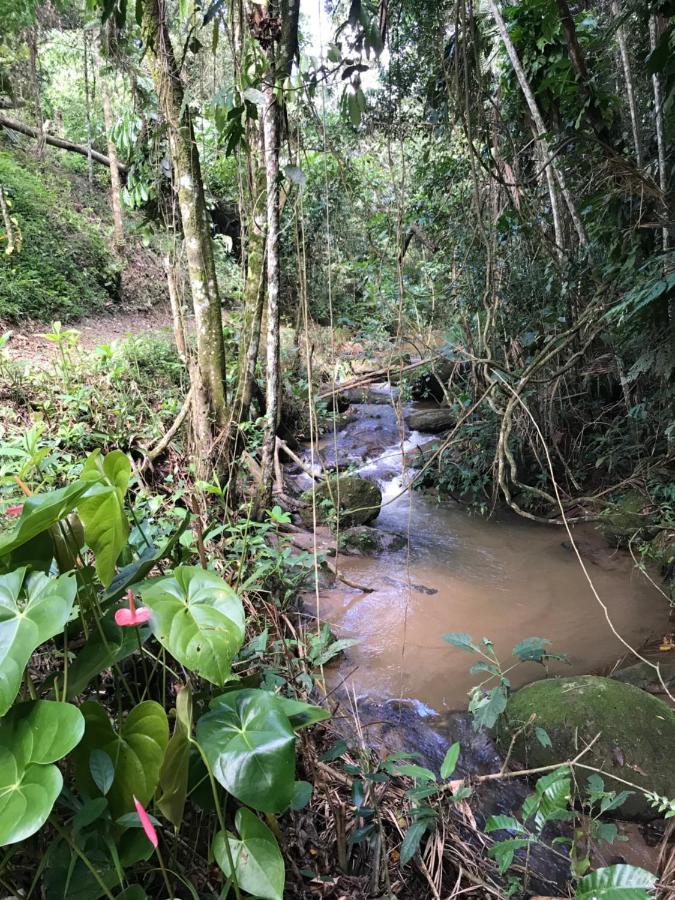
{"points": [[208, 376], [7, 222], [558, 233], [176, 307], [628, 81], [537, 119], [270, 132], [115, 184], [87, 107], [660, 134], [32, 40]]}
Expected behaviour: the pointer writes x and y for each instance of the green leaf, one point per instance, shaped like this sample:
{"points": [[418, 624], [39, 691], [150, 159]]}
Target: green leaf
{"points": [[503, 823], [419, 773], [106, 646], [616, 883], [302, 715], [250, 745], [199, 619], [302, 794], [450, 760], [258, 863], [136, 571], [40, 513], [504, 851], [136, 751], [542, 737], [173, 776], [90, 812], [101, 770], [33, 608], [531, 649], [411, 841], [488, 708], [106, 528], [462, 640], [32, 737]]}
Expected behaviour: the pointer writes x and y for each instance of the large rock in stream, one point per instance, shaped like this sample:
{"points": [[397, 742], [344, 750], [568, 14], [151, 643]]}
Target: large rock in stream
{"points": [[430, 420], [359, 501], [637, 733]]}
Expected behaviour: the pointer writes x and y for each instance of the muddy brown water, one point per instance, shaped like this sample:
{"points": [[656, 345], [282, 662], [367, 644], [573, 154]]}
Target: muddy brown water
{"points": [[501, 578]]}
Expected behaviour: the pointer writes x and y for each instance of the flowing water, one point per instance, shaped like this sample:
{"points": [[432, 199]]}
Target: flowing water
{"points": [[503, 578]]}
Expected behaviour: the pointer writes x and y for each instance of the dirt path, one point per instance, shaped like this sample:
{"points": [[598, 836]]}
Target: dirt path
{"points": [[27, 344]]}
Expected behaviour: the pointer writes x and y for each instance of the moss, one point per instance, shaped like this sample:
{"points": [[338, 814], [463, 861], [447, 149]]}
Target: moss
{"points": [[637, 732], [63, 268], [360, 501]]}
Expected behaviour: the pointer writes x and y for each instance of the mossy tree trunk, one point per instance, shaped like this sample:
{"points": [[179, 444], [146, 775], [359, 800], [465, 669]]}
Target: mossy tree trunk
{"points": [[209, 372], [115, 182]]}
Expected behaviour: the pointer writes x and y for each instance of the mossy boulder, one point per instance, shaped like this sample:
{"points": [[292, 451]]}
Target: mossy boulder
{"points": [[352, 500], [364, 540], [637, 733], [430, 420]]}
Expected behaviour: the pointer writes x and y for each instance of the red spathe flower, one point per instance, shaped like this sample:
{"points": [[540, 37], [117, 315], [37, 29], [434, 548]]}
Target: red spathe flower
{"points": [[132, 616], [14, 510], [148, 827]]}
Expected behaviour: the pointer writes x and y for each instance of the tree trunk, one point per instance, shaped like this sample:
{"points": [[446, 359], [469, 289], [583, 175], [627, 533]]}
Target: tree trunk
{"points": [[7, 222], [32, 39], [87, 107], [176, 307], [270, 132], [115, 185], [537, 119], [208, 375], [53, 141], [628, 80], [660, 138]]}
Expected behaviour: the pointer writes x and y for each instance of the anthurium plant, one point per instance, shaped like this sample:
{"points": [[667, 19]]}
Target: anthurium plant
{"points": [[122, 718]]}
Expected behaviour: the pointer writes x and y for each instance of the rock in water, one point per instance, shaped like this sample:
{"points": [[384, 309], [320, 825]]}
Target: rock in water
{"points": [[359, 501], [430, 420], [362, 540], [637, 733]]}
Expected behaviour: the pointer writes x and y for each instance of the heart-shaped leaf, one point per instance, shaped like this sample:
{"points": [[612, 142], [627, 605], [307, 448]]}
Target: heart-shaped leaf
{"points": [[199, 619], [136, 751], [106, 528], [32, 737], [40, 513], [258, 863], [250, 745], [173, 777], [33, 608]]}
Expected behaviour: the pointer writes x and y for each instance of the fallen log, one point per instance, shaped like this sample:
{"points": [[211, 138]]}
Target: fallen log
{"points": [[392, 372], [29, 131]]}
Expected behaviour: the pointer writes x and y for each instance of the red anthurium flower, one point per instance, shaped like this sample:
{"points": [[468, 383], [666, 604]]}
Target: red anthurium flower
{"points": [[132, 616], [148, 827], [14, 510]]}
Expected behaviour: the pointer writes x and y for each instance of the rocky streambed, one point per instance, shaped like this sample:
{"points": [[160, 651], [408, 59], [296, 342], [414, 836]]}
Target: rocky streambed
{"points": [[412, 569]]}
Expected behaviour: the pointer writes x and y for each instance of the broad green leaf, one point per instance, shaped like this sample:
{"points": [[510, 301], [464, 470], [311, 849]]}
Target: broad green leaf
{"points": [[106, 646], [411, 841], [40, 513], [102, 770], [504, 851], [258, 863], [136, 751], [33, 608], [106, 528], [617, 883], [531, 649], [488, 708], [173, 776], [503, 823], [199, 619], [32, 737], [462, 640], [543, 737], [302, 715], [302, 794], [450, 761], [250, 745], [136, 571]]}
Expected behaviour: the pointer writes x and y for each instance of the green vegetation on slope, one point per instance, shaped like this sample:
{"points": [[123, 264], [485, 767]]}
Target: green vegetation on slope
{"points": [[62, 268]]}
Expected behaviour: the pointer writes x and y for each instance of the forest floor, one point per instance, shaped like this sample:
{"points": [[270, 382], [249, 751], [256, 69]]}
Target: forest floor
{"points": [[29, 344]]}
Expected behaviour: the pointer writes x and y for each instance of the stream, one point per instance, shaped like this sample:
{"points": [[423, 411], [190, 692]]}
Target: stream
{"points": [[502, 577]]}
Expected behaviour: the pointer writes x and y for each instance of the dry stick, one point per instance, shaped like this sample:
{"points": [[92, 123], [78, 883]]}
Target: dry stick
{"points": [[296, 459], [603, 605], [163, 443]]}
